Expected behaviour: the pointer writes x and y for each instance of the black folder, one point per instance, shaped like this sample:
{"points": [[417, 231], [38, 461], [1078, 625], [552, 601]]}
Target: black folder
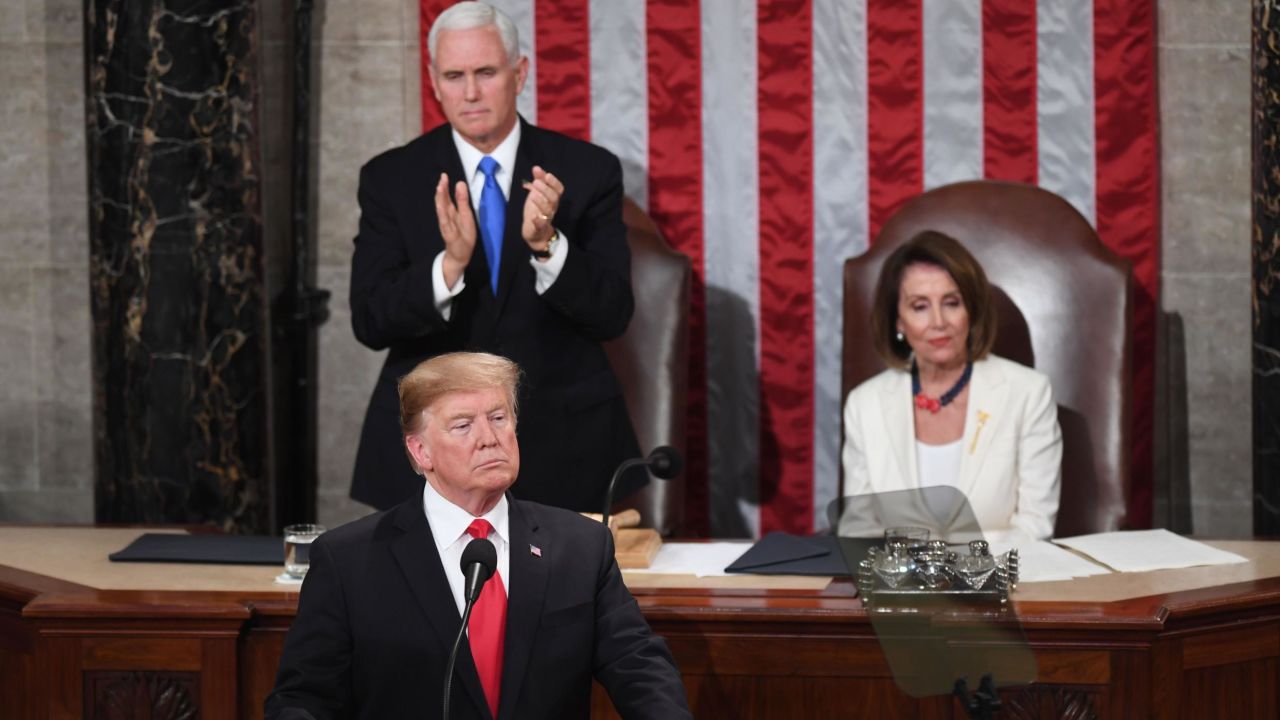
{"points": [[204, 548], [780, 553]]}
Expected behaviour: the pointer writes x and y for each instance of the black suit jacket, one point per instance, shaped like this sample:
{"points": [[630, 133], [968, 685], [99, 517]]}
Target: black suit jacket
{"points": [[376, 621], [573, 423]]}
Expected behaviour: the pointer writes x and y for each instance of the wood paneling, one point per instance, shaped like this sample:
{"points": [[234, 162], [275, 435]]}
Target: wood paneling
{"points": [[140, 654], [1225, 647], [1240, 691]]}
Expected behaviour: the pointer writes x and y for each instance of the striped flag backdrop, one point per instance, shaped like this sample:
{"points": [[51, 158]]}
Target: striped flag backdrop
{"points": [[771, 140]]}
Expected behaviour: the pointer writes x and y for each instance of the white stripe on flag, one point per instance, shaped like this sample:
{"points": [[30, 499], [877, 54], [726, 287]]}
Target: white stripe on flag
{"points": [[620, 90], [1064, 88], [521, 13], [839, 216], [731, 236], [952, 39]]}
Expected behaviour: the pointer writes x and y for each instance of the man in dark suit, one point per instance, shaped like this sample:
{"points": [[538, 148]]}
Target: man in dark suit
{"points": [[382, 601], [488, 233]]}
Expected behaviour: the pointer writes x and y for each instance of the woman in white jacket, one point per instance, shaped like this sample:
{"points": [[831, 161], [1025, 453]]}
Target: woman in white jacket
{"points": [[947, 413]]}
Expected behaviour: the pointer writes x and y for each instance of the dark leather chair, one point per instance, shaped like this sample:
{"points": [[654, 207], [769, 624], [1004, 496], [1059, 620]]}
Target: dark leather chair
{"points": [[651, 361], [1064, 308]]}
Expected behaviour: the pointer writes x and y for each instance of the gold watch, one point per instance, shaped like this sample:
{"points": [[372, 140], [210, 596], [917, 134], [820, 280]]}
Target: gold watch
{"points": [[551, 246]]}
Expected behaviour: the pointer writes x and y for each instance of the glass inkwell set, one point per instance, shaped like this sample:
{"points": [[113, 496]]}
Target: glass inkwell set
{"points": [[936, 596], [933, 553], [910, 570]]}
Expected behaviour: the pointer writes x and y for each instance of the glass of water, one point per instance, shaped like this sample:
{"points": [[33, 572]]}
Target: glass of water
{"points": [[908, 535], [297, 548]]}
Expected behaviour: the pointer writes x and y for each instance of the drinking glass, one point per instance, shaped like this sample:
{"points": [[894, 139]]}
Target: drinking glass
{"points": [[908, 535], [297, 548]]}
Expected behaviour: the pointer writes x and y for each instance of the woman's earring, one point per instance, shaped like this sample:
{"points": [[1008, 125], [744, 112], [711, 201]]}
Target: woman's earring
{"points": [[900, 337]]}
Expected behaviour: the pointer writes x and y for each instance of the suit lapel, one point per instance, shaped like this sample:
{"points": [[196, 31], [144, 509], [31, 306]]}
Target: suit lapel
{"points": [[896, 407], [415, 551], [988, 393], [528, 589], [514, 255]]}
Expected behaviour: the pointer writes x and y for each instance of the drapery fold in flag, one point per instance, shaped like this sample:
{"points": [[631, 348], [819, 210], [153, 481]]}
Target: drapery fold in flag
{"points": [[770, 142]]}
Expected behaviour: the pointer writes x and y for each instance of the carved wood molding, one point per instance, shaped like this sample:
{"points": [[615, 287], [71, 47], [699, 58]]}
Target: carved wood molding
{"points": [[1050, 701], [124, 695]]}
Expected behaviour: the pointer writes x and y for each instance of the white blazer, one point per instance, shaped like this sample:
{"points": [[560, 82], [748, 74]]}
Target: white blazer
{"points": [[1011, 455]]}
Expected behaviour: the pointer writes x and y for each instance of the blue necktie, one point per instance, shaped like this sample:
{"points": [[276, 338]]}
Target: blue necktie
{"points": [[493, 218]]}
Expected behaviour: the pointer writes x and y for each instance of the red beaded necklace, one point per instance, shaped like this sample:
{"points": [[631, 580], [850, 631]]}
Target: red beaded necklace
{"points": [[933, 405]]}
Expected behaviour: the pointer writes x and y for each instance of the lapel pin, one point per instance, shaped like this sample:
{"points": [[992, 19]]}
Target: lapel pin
{"points": [[535, 551], [982, 420]]}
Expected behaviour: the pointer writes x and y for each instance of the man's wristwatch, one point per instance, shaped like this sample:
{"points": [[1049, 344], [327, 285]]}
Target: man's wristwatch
{"points": [[551, 246]]}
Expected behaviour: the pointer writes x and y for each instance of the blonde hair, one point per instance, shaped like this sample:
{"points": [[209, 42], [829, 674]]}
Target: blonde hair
{"points": [[449, 373]]}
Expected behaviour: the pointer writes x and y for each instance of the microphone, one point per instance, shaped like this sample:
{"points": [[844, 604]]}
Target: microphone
{"points": [[479, 562], [664, 462]]}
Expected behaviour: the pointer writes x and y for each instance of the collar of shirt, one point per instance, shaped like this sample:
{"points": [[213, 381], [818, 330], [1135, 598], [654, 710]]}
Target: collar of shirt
{"points": [[449, 522], [505, 154], [449, 532]]}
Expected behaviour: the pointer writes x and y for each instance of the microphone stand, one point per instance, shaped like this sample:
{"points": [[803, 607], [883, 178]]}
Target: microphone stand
{"points": [[453, 654], [608, 493], [479, 563]]}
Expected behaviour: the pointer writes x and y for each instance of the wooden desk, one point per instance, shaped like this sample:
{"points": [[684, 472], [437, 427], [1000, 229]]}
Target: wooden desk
{"points": [[83, 638]]}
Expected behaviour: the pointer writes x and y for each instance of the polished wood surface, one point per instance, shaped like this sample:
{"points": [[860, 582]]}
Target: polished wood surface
{"points": [[1203, 649]]}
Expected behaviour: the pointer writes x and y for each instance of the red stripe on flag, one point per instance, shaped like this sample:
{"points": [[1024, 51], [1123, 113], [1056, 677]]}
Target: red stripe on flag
{"points": [[562, 35], [895, 108], [428, 11], [1009, 90], [785, 117], [1128, 186], [674, 62]]}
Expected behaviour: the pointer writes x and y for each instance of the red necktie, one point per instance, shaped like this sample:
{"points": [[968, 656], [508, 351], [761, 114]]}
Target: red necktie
{"points": [[487, 627]]}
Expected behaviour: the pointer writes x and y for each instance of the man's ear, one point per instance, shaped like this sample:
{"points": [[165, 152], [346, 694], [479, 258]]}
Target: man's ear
{"points": [[435, 81], [418, 451], [522, 73]]}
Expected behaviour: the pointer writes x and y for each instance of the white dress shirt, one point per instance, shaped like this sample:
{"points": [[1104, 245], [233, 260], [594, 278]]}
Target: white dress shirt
{"points": [[545, 273], [449, 529]]}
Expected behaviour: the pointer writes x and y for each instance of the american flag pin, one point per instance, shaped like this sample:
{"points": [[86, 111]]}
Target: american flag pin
{"points": [[535, 551]]}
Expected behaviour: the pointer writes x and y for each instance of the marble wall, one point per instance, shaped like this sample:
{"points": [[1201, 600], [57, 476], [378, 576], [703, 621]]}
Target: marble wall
{"points": [[180, 326], [369, 95], [1266, 266]]}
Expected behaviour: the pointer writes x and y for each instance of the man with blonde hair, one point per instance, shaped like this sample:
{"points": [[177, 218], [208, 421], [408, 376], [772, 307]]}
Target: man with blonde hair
{"points": [[382, 602], [488, 233]]}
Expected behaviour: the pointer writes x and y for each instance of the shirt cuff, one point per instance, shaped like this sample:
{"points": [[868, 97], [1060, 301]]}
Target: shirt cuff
{"points": [[545, 273], [442, 293]]}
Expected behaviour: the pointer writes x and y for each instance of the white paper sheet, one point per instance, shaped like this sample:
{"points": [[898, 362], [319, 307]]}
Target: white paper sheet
{"points": [[1143, 550], [701, 559], [1042, 561]]}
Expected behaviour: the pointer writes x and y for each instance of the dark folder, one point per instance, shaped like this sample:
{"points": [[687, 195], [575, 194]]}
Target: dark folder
{"points": [[204, 548], [779, 553]]}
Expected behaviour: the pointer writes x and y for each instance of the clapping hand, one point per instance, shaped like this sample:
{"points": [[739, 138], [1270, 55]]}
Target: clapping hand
{"points": [[540, 208], [457, 227]]}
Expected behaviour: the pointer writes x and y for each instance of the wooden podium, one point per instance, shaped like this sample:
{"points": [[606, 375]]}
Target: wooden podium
{"points": [[634, 547], [84, 638]]}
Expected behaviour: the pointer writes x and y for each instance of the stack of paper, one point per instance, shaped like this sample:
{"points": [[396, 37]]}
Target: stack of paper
{"points": [[1143, 550], [700, 559], [1042, 561]]}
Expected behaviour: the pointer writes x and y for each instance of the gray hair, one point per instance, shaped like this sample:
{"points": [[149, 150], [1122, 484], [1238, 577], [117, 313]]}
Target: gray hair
{"points": [[468, 15]]}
